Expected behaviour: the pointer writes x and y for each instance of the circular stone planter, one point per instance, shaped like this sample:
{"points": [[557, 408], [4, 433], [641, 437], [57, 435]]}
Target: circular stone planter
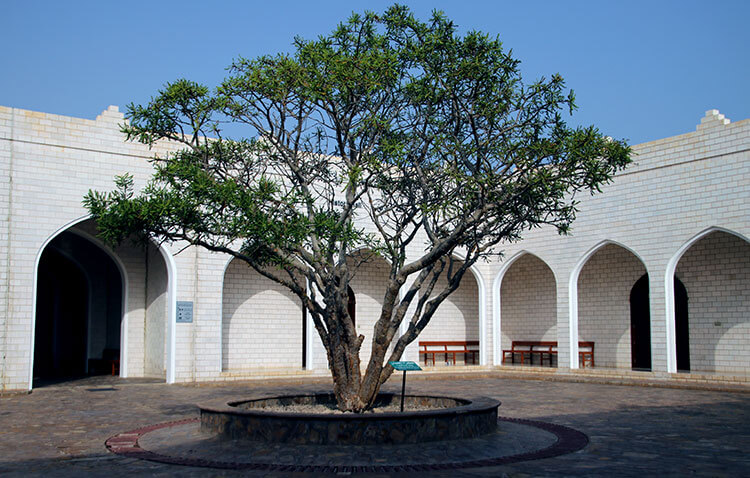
{"points": [[451, 419]]}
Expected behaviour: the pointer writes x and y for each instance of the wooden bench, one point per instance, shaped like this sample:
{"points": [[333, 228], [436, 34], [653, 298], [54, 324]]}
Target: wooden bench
{"points": [[449, 348], [527, 349], [585, 354]]}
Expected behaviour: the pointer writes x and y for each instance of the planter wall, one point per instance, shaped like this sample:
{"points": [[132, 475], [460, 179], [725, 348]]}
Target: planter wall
{"points": [[247, 419]]}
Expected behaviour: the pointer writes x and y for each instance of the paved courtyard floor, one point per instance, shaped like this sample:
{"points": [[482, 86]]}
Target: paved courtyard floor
{"points": [[60, 430]]}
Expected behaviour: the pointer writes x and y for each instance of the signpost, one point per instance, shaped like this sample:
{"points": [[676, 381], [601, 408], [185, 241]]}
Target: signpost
{"points": [[404, 365]]}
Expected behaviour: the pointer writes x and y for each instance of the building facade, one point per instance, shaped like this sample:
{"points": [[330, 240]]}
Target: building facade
{"points": [[656, 272]]}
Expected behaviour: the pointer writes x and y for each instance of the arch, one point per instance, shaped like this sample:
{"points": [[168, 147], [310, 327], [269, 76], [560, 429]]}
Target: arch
{"points": [[500, 278], [124, 280], [444, 326], [171, 295], [669, 300], [496, 304], [308, 327], [573, 294]]}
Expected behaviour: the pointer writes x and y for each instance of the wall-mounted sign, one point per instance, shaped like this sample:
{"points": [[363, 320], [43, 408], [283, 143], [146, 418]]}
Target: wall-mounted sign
{"points": [[184, 312]]}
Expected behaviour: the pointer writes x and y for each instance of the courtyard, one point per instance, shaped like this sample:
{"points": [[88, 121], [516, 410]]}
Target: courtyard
{"points": [[61, 429]]}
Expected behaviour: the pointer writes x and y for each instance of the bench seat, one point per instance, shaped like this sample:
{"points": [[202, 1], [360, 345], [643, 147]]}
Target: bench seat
{"points": [[449, 348], [525, 350]]}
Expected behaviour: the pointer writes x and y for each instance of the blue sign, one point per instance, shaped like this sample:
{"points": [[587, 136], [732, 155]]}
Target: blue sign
{"points": [[184, 312], [404, 365]]}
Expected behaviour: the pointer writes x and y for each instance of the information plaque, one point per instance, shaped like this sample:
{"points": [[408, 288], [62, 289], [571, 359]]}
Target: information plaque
{"points": [[184, 312], [405, 366]]}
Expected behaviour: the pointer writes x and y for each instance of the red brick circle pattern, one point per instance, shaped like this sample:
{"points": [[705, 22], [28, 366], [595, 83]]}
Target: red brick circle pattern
{"points": [[568, 441]]}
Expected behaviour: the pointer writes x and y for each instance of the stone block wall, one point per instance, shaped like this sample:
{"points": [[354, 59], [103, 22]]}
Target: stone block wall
{"points": [[261, 322], [677, 189]]}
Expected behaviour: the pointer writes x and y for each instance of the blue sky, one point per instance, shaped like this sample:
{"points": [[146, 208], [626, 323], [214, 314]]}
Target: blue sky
{"points": [[641, 70]]}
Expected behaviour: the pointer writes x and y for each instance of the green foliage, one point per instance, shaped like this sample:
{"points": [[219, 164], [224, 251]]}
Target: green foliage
{"points": [[388, 133], [442, 123]]}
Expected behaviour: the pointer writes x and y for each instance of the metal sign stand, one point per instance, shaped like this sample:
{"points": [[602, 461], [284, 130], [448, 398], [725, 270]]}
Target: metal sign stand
{"points": [[404, 365]]}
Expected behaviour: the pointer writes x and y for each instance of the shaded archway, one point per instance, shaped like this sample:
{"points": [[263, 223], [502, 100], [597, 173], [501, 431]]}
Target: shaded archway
{"points": [[458, 318], [604, 286], [528, 302], [714, 268], [79, 298], [146, 310]]}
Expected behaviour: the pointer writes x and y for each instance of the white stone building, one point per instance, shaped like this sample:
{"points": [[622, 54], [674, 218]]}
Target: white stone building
{"points": [[656, 272]]}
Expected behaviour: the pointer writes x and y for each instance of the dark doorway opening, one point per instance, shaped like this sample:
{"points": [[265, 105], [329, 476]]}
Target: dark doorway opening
{"points": [[681, 326], [78, 311], [352, 305], [640, 325], [304, 336], [61, 318]]}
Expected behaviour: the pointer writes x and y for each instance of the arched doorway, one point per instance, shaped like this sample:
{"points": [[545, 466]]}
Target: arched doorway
{"points": [[604, 289], [640, 325], [78, 310], [714, 273]]}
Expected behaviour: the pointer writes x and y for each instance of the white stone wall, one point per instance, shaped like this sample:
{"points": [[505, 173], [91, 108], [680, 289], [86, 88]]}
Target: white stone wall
{"points": [[51, 161], [528, 301], [604, 287], [261, 322], [677, 189], [716, 273]]}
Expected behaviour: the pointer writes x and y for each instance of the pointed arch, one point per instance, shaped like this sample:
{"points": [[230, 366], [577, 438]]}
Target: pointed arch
{"points": [[573, 294], [497, 299], [122, 269], [669, 300]]}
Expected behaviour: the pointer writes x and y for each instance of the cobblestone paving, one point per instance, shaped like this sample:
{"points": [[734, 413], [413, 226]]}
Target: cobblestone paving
{"points": [[60, 430]]}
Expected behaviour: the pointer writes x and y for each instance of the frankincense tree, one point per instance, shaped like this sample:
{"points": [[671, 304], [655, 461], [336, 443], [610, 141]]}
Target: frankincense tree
{"points": [[388, 135]]}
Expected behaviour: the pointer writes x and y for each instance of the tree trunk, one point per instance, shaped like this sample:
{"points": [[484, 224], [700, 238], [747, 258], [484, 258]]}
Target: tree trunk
{"points": [[353, 392]]}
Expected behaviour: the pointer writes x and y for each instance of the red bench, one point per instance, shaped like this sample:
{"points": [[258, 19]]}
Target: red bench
{"points": [[449, 348], [527, 349], [585, 354]]}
